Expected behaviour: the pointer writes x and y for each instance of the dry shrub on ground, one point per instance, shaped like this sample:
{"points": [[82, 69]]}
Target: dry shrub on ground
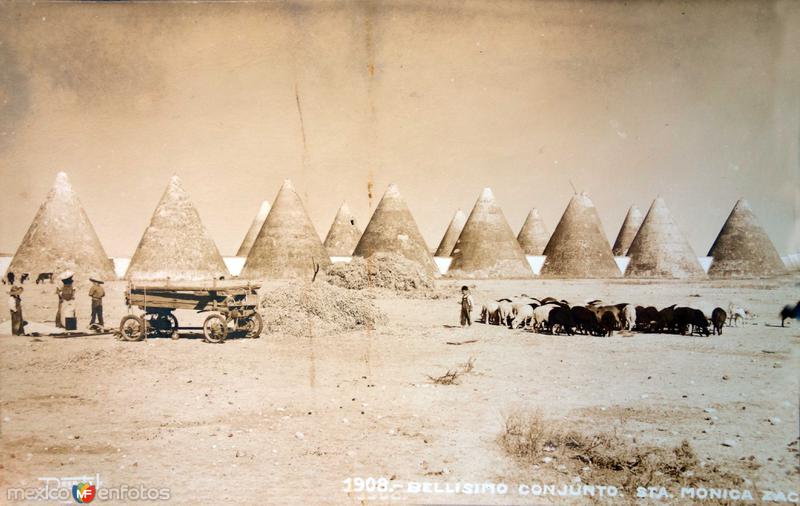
{"points": [[299, 309], [452, 376], [388, 271], [530, 439]]}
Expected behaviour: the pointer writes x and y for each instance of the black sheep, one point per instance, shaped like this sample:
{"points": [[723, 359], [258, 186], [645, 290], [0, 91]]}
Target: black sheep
{"points": [[666, 319], [699, 322], [561, 316], [647, 318], [585, 320], [608, 322], [681, 319], [790, 312], [690, 320], [718, 319]]}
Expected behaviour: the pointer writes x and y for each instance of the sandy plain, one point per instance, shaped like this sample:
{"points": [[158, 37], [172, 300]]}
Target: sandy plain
{"points": [[283, 420]]}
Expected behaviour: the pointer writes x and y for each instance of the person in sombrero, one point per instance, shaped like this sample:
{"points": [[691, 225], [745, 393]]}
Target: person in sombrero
{"points": [[96, 293], [66, 298]]}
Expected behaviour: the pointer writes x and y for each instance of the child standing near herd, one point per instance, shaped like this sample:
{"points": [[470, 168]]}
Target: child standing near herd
{"points": [[466, 307]]}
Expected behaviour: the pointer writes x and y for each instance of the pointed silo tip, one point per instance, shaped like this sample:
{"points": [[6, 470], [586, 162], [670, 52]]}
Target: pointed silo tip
{"points": [[62, 179], [392, 191]]}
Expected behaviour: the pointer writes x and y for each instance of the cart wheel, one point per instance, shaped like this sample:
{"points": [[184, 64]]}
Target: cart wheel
{"points": [[132, 328], [174, 321], [215, 328], [253, 325], [161, 324]]}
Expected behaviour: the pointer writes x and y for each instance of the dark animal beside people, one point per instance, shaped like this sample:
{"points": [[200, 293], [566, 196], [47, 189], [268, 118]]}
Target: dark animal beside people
{"points": [[24, 278], [44, 276]]}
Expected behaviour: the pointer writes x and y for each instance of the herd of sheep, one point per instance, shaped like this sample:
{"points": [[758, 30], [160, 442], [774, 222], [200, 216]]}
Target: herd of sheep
{"points": [[598, 319]]}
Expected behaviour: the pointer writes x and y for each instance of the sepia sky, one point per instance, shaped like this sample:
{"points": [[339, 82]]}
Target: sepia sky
{"points": [[695, 101]]}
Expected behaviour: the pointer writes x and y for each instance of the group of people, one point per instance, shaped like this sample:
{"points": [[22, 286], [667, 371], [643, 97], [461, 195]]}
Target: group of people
{"points": [[66, 317]]}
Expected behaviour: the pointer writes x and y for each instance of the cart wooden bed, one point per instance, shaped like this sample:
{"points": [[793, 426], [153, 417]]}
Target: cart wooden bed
{"points": [[232, 306]]}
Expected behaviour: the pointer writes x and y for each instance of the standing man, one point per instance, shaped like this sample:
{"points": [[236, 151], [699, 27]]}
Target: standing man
{"points": [[97, 293], [15, 305]]}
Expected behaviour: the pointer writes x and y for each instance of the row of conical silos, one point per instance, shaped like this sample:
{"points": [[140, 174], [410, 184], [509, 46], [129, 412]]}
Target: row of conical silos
{"points": [[282, 242]]}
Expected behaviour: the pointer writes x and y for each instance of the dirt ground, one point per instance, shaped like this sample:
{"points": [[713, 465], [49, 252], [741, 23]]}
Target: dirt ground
{"points": [[279, 420]]}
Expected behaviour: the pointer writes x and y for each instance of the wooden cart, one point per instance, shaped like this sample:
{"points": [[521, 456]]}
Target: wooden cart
{"points": [[232, 305]]}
